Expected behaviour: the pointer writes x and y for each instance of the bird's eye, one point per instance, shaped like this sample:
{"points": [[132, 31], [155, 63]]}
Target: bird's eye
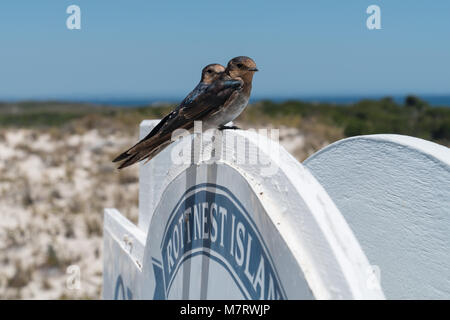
{"points": [[209, 71], [239, 65]]}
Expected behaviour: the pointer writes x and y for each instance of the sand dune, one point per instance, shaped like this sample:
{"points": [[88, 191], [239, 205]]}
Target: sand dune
{"points": [[54, 185]]}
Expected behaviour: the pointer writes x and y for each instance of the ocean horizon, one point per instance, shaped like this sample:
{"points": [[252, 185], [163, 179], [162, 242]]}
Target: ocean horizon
{"points": [[133, 101]]}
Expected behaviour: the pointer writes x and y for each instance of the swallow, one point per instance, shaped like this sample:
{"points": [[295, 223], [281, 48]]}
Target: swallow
{"points": [[239, 68], [219, 98], [209, 91]]}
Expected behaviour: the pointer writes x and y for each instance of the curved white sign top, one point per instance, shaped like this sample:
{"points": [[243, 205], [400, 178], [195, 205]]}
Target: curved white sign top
{"points": [[233, 229]]}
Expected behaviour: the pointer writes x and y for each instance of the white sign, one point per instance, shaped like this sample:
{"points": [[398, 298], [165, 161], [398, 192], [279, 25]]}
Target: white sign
{"points": [[222, 230]]}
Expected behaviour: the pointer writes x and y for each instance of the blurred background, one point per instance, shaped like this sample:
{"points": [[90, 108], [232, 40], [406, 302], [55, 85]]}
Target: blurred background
{"points": [[70, 100]]}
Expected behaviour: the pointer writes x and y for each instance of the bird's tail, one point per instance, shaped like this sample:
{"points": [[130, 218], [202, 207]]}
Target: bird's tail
{"points": [[129, 161], [122, 156], [140, 152]]}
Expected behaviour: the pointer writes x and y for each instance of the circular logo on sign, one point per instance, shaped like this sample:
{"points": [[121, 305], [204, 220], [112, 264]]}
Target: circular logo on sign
{"points": [[210, 226]]}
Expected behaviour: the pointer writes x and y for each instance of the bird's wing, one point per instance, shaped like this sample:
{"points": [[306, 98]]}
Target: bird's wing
{"points": [[212, 98], [204, 101], [165, 122], [201, 101], [199, 89]]}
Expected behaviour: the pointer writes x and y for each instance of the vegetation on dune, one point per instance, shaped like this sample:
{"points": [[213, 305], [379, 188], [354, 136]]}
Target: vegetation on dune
{"points": [[414, 117], [34, 114]]}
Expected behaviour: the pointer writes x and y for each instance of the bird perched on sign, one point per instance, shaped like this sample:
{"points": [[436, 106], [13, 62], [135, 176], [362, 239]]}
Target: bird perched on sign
{"points": [[239, 68], [219, 98]]}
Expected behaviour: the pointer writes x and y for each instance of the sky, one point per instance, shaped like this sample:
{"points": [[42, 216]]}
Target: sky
{"points": [[144, 48]]}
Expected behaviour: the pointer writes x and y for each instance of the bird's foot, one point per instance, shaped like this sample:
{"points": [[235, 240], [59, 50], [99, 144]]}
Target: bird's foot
{"points": [[229, 128]]}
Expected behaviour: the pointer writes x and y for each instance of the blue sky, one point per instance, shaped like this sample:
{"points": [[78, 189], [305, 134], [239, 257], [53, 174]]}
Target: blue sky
{"points": [[142, 48]]}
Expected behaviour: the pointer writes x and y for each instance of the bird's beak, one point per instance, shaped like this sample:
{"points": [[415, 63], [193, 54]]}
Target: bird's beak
{"points": [[253, 69]]}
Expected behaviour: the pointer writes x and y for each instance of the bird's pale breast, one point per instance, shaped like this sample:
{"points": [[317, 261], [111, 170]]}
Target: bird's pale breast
{"points": [[230, 111]]}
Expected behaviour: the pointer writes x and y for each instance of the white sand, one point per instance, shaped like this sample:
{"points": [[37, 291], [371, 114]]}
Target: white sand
{"points": [[52, 193]]}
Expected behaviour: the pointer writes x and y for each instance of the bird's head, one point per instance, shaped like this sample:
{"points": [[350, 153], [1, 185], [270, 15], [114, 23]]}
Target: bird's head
{"points": [[241, 67], [211, 72]]}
